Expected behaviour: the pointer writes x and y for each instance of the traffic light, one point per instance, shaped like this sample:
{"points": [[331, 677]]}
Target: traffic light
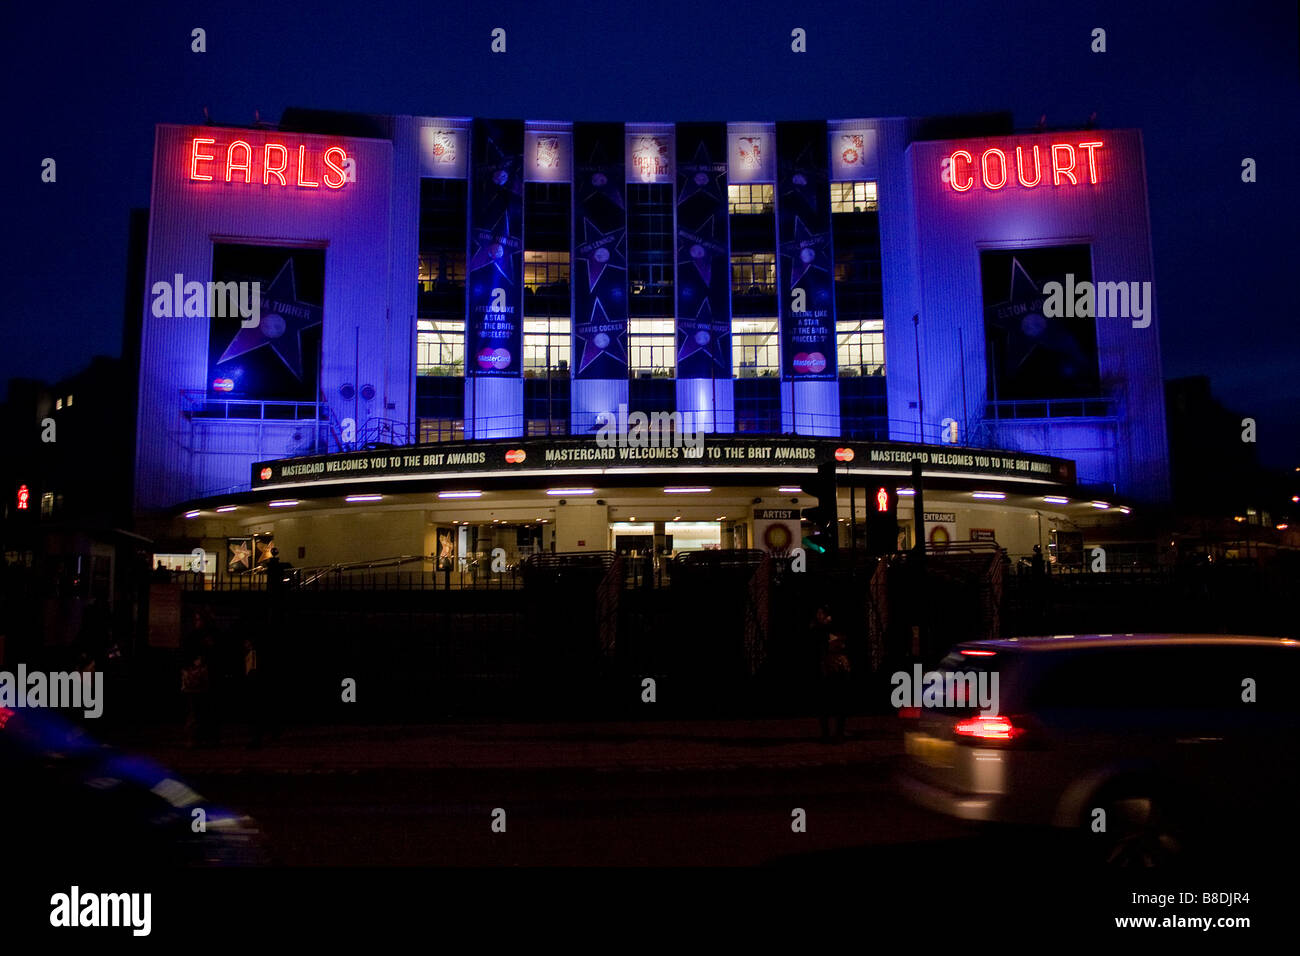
{"points": [[882, 520], [823, 535]]}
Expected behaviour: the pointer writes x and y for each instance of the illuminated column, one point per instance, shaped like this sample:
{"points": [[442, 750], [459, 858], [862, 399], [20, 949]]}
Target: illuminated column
{"points": [[810, 388], [494, 348], [599, 274], [704, 384]]}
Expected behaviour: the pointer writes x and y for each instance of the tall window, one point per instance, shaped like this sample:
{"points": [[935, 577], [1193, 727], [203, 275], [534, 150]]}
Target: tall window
{"points": [[441, 270], [861, 345], [854, 197], [748, 199], [652, 347], [546, 270], [440, 347], [755, 348], [753, 273], [651, 249], [547, 346]]}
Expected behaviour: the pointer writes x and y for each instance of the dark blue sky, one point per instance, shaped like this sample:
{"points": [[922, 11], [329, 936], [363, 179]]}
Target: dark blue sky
{"points": [[1207, 85]]}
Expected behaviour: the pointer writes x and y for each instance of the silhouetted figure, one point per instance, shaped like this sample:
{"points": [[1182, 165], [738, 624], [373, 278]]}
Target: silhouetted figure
{"points": [[161, 574], [257, 697], [196, 685], [275, 572], [833, 676]]}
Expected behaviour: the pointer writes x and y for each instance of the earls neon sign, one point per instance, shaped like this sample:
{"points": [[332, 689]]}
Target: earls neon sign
{"points": [[240, 158], [961, 171]]}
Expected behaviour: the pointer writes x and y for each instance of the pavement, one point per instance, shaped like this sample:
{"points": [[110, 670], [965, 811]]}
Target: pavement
{"points": [[648, 746]]}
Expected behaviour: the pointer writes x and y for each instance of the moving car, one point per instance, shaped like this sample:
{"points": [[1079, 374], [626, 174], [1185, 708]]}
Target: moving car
{"points": [[66, 797], [1152, 747]]}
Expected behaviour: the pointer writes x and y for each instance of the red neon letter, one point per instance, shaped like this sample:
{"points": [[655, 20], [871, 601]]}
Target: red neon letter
{"points": [[1092, 160], [1058, 169], [302, 158], [984, 168], [952, 170], [268, 169], [1020, 167], [343, 177], [195, 156], [246, 165]]}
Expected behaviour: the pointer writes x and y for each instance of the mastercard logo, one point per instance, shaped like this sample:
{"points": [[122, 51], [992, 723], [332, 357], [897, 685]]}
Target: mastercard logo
{"points": [[515, 455], [266, 474], [223, 384], [843, 454]]}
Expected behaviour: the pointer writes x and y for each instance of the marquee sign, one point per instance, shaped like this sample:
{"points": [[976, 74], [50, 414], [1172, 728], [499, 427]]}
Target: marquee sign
{"points": [[1057, 164], [576, 455], [271, 163]]}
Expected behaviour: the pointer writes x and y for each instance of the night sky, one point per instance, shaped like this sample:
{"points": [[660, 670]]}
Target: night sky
{"points": [[1207, 84]]}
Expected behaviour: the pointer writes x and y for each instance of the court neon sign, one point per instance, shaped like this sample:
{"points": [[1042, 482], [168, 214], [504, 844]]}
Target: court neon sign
{"points": [[270, 164], [1060, 164]]}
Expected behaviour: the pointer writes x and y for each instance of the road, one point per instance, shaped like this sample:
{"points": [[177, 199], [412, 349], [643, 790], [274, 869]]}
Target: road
{"points": [[742, 816]]}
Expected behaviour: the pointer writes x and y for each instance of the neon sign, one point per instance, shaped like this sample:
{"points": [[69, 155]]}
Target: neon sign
{"points": [[1061, 163], [240, 161]]}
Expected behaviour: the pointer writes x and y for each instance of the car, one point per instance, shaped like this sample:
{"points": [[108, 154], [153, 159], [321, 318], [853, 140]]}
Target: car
{"points": [[64, 796], [1152, 748]]}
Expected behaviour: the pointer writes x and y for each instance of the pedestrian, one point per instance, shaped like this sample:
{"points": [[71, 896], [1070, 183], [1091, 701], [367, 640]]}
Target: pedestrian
{"points": [[196, 686], [274, 572], [834, 670], [254, 695]]}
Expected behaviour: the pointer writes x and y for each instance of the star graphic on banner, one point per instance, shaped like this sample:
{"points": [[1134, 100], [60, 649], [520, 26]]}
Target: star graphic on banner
{"points": [[804, 250], [601, 250], [701, 248], [283, 320], [1027, 329], [600, 343], [502, 170], [704, 338], [803, 178], [495, 247], [241, 556], [701, 175], [264, 549], [597, 178]]}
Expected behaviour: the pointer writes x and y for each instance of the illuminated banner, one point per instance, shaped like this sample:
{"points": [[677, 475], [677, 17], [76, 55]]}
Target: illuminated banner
{"points": [[494, 334], [599, 253], [249, 158], [1032, 355], [570, 455], [805, 276], [279, 356], [703, 258], [1025, 166]]}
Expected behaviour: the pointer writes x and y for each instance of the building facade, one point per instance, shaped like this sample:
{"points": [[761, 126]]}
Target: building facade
{"points": [[476, 288]]}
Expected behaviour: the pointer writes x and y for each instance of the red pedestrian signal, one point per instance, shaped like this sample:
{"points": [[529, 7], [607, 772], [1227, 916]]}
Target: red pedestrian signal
{"points": [[23, 496], [882, 500]]}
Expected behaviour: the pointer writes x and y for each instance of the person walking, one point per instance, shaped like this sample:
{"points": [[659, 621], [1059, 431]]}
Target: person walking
{"points": [[833, 676], [254, 695]]}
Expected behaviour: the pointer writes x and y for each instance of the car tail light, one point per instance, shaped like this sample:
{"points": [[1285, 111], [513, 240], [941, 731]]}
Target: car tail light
{"points": [[996, 727], [5, 714]]}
